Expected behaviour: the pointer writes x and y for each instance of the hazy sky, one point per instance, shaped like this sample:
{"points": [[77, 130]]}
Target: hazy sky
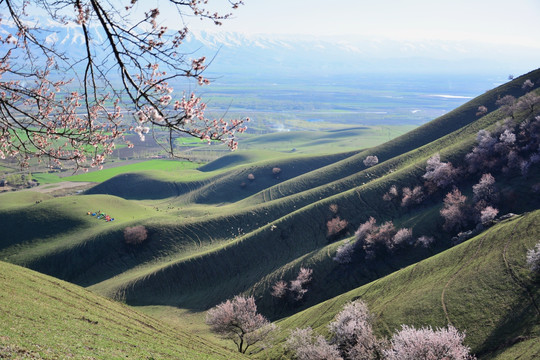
{"points": [[485, 20]]}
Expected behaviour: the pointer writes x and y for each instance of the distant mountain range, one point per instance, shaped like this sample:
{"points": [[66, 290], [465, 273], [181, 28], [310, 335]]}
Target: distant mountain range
{"points": [[259, 55], [237, 52]]}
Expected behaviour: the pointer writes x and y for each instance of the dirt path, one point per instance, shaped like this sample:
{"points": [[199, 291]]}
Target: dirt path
{"points": [[61, 187], [473, 257]]}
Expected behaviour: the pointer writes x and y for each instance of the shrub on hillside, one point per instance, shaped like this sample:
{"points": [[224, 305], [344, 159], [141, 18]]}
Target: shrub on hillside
{"points": [[298, 286], [486, 190], [403, 237], [488, 214], [304, 345], [506, 104], [454, 211], [296, 289], [353, 337], [527, 85], [365, 229], [482, 110], [533, 258], [391, 194], [425, 343], [135, 235], [439, 174], [424, 241], [379, 240], [412, 196], [344, 253], [482, 155], [528, 102], [353, 333], [371, 160], [335, 226], [279, 289]]}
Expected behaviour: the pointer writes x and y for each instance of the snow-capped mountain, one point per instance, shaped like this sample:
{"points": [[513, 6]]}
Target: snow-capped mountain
{"points": [[257, 55], [288, 53]]}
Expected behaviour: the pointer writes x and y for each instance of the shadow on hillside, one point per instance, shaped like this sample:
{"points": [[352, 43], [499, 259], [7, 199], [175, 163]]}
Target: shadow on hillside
{"points": [[515, 327], [19, 227]]}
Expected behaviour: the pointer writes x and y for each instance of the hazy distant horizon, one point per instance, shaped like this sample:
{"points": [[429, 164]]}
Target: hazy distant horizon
{"points": [[493, 21]]}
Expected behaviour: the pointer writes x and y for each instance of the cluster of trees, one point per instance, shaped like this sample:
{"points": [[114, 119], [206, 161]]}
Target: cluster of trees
{"points": [[295, 290], [352, 332], [510, 146], [353, 338], [456, 211], [372, 240], [410, 196], [19, 180]]}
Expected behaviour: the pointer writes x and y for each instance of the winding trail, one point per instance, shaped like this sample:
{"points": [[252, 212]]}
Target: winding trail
{"points": [[455, 276]]}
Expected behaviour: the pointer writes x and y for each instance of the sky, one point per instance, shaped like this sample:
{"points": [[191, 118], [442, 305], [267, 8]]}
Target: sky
{"points": [[493, 21]]}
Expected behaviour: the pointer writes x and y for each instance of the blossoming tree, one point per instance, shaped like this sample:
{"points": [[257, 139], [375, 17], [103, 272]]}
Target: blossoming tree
{"points": [[238, 320], [72, 106]]}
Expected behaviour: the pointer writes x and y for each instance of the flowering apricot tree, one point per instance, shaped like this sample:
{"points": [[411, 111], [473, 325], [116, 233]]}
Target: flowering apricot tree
{"points": [[73, 106], [238, 320]]}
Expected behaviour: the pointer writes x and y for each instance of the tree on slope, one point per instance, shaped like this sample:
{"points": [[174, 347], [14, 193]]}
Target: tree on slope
{"points": [[533, 259], [73, 106], [304, 345], [427, 344], [353, 333], [238, 320]]}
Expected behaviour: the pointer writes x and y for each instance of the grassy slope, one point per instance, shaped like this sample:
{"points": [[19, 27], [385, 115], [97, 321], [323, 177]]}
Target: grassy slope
{"points": [[150, 165], [198, 255], [412, 140], [243, 264], [221, 184], [200, 261], [46, 318], [483, 283], [323, 140]]}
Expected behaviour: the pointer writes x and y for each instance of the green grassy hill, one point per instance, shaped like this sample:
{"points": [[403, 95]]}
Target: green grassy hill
{"points": [[295, 234], [237, 226], [46, 318], [482, 287]]}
